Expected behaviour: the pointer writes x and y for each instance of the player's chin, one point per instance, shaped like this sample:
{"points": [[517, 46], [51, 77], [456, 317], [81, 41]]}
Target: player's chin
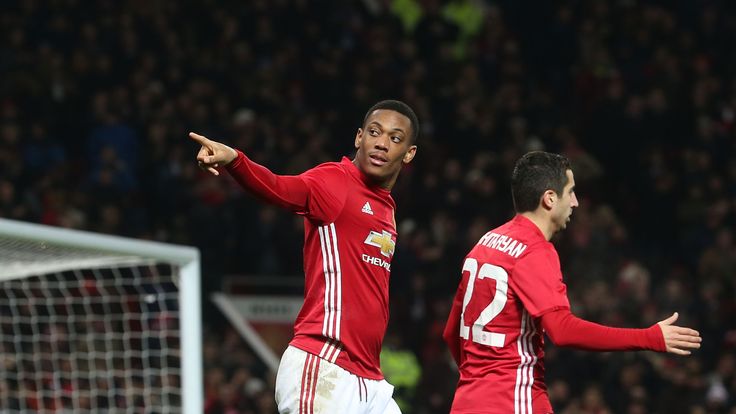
{"points": [[563, 225]]}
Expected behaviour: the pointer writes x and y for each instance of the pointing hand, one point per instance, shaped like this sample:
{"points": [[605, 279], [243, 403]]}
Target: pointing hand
{"points": [[213, 154]]}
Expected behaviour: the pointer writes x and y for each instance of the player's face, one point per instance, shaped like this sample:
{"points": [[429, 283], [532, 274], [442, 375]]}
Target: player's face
{"points": [[384, 146], [566, 203]]}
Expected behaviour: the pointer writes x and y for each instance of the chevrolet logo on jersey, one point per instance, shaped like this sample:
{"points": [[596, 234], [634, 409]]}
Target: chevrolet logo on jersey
{"points": [[382, 241]]}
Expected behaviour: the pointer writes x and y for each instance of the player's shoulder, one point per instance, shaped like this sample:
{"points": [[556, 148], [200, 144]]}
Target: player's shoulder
{"points": [[326, 170], [540, 250], [329, 166], [521, 239], [522, 229]]}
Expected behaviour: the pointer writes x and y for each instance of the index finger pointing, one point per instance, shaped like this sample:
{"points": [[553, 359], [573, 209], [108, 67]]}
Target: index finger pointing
{"points": [[202, 140]]}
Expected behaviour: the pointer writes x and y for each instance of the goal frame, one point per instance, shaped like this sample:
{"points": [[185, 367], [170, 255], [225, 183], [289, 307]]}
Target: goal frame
{"points": [[187, 258]]}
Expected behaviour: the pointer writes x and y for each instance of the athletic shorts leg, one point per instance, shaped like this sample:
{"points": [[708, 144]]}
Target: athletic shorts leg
{"points": [[307, 384], [392, 408], [288, 383], [381, 401]]}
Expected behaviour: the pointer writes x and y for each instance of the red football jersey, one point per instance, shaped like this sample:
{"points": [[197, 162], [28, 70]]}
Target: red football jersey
{"points": [[350, 236], [509, 279]]}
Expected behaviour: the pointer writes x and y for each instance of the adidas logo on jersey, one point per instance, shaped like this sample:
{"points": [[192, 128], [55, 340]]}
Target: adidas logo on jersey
{"points": [[367, 209]]}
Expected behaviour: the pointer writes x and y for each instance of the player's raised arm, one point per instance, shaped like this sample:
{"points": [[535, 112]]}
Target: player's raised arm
{"points": [[285, 191]]}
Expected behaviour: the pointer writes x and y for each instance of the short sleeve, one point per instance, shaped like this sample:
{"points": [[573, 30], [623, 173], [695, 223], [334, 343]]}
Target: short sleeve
{"points": [[537, 280], [327, 185]]}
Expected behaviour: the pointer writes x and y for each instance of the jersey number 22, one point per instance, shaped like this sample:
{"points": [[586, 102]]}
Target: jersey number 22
{"points": [[488, 270]]}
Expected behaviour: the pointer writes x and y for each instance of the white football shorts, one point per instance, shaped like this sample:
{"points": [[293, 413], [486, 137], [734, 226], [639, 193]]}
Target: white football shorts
{"points": [[308, 384]]}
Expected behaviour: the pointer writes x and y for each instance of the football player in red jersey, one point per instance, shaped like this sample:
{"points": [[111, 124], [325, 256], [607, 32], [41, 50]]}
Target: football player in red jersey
{"points": [[332, 363], [512, 291]]}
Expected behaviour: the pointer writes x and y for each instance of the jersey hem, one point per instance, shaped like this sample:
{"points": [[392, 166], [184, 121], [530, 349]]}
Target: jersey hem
{"points": [[338, 363]]}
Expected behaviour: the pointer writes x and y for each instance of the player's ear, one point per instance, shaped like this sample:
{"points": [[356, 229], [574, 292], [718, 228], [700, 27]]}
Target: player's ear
{"points": [[549, 198], [409, 155], [358, 138]]}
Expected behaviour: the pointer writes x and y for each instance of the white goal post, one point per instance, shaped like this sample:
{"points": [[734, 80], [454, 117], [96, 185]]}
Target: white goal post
{"points": [[98, 323]]}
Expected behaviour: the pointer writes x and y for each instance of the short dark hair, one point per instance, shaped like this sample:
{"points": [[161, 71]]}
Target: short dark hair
{"points": [[535, 173], [401, 108]]}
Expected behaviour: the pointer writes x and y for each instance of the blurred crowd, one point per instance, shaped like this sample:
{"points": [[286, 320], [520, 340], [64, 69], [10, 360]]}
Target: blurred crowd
{"points": [[96, 99]]}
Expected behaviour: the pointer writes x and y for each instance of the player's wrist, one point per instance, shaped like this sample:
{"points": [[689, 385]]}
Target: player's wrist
{"points": [[233, 160], [655, 338], [232, 155]]}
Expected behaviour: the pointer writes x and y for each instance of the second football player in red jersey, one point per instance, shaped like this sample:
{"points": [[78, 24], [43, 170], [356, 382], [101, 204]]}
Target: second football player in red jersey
{"points": [[332, 364], [512, 291]]}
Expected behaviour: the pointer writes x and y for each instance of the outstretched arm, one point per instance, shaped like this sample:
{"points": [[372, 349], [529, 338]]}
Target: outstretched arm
{"points": [[565, 329], [282, 190]]}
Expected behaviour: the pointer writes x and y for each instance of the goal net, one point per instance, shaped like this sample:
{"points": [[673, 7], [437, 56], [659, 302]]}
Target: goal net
{"points": [[92, 323]]}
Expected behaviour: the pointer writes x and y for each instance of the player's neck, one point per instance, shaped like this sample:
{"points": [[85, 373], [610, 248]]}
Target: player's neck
{"points": [[389, 184], [386, 184], [542, 221]]}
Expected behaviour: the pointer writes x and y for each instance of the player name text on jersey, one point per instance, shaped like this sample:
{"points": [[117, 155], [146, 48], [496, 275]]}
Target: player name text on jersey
{"points": [[503, 243]]}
